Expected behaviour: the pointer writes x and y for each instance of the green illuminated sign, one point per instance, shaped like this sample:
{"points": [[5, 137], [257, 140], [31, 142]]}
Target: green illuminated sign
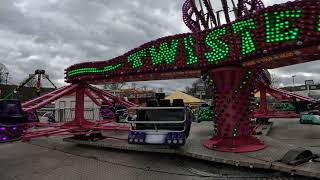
{"points": [[243, 27], [213, 46], [220, 49], [165, 52], [136, 58], [278, 28], [191, 54], [93, 70]]}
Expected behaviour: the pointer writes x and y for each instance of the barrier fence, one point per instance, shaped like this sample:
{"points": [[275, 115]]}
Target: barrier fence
{"points": [[67, 114]]}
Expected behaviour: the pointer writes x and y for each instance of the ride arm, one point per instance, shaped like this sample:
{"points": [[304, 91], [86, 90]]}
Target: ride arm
{"points": [[51, 82], [19, 87]]}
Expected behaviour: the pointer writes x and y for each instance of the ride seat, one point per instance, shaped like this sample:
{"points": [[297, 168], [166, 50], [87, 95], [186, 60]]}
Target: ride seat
{"points": [[141, 115], [177, 103], [167, 115], [152, 103], [11, 112], [165, 103]]}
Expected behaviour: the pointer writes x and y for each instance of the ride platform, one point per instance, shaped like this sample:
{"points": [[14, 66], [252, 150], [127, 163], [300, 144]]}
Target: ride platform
{"points": [[267, 158]]}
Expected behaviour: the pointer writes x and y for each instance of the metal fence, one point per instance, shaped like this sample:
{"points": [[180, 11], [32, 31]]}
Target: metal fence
{"points": [[67, 114]]}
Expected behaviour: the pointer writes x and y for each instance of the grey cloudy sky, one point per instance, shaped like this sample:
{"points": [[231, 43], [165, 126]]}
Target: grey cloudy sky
{"points": [[54, 34]]}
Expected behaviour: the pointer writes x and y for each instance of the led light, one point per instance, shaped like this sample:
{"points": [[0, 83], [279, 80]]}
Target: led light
{"points": [[136, 58], [248, 45], [165, 52], [175, 141], [169, 141], [135, 140], [191, 54], [277, 29], [93, 70], [2, 128], [141, 140], [235, 132], [319, 23], [220, 49], [180, 141], [131, 140]]}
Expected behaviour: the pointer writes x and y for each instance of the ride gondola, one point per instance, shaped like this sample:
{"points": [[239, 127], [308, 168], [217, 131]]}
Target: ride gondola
{"points": [[14, 121]]}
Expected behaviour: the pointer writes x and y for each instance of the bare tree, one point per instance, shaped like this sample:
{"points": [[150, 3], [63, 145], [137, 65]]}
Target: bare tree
{"points": [[200, 86], [193, 89], [275, 80], [4, 74], [187, 90]]}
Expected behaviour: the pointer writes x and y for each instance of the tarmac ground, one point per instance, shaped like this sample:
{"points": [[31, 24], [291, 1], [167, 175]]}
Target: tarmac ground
{"points": [[52, 158]]}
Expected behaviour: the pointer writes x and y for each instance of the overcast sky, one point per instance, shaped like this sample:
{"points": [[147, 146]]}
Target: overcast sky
{"points": [[54, 34]]}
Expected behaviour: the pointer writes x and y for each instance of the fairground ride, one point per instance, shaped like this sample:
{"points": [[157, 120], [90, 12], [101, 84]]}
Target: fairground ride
{"points": [[234, 55], [37, 77]]}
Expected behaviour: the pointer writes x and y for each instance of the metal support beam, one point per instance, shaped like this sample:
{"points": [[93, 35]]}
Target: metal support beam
{"points": [[90, 95], [53, 98], [36, 100], [263, 101]]}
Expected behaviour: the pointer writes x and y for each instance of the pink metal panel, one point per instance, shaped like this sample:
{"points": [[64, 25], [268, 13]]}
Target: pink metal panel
{"points": [[100, 96], [291, 94], [68, 90], [45, 96], [114, 98], [90, 95]]}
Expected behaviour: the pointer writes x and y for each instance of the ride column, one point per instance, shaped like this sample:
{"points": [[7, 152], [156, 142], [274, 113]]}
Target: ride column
{"points": [[234, 88], [263, 101], [79, 119]]}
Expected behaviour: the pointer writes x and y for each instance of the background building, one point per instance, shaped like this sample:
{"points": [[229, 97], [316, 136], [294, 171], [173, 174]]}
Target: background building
{"points": [[64, 108]]}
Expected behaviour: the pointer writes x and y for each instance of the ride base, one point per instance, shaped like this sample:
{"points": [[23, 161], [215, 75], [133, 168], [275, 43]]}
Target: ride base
{"points": [[233, 89], [266, 158]]}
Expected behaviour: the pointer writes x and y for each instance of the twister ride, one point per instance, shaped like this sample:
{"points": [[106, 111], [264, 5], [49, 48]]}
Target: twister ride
{"points": [[233, 54]]}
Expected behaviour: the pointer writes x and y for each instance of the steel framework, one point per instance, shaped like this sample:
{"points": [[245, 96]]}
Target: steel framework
{"points": [[263, 111], [203, 16], [79, 125]]}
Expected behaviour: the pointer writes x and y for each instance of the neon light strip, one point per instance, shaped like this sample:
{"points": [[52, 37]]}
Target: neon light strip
{"points": [[94, 70]]}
